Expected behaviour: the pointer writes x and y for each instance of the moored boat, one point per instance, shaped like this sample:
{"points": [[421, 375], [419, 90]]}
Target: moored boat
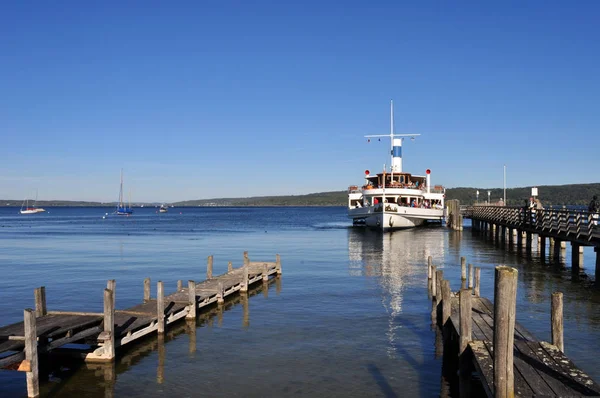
{"points": [[163, 209], [123, 209], [25, 209], [394, 199]]}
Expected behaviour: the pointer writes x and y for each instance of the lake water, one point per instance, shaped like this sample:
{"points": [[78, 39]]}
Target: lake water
{"points": [[350, 315]]}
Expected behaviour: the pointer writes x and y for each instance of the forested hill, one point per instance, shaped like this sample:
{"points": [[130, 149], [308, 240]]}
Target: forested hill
{"points": [[574, 194]]}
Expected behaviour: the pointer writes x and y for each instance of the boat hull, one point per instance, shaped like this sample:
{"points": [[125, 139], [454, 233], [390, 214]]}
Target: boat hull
{"points": [[390, 221]]}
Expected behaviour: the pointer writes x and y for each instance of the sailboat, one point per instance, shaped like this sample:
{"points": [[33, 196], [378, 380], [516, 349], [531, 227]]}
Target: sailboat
{"points": [[123, 209], [25, 209]]}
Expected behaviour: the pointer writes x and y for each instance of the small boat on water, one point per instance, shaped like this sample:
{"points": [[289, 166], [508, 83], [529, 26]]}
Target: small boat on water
{"points": [[163, 208], [25, 209], [395, 199], [123, 209]]}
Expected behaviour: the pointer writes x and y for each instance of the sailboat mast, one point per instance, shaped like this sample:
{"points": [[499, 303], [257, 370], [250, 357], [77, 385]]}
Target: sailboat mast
{"points": [[121, 191]]}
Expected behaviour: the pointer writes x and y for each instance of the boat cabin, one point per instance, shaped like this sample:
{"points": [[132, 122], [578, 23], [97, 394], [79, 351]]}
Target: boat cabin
{"points": [[395, 180]]}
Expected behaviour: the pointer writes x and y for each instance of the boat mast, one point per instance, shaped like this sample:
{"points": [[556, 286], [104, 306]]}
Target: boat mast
{"points": [[121, 191]]}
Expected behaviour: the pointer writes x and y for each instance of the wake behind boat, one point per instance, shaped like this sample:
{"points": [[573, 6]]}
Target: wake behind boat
{"points": [[395, 199]]}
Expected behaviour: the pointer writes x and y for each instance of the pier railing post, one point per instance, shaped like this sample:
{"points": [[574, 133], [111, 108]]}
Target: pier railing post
{"points": [[557, 321], [464, 363], [146, 290], [278, 264], [40, 301], [505, 298], [192, 300], [476, 291], [160, 306], [209, 267], [31, 353], [109, 324]]}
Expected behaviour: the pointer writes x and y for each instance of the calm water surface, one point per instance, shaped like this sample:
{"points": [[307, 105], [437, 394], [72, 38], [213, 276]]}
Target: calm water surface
{"points": [[349, 317]]}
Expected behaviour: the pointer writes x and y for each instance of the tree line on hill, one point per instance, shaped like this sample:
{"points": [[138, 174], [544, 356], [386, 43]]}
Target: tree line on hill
{"points": [[573, 194]]}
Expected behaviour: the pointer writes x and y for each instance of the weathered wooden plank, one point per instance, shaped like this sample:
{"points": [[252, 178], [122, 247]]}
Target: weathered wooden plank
{"points": [[581, 383]]}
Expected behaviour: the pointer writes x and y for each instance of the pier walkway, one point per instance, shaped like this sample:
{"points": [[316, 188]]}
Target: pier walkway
{"points": [[485, 338], [43, 331]]}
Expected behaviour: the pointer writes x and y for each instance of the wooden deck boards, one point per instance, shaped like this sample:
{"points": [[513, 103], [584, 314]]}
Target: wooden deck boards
{"points": [[56, 326], [540, 368]]}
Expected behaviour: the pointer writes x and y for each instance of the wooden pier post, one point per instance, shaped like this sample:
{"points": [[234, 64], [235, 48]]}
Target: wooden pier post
{"points": [[278, 264], [265, 272], [192, 299], [528, 238], [433, 283], [542, 247], [470, 276], [476, 291], [160, 307], [463, 269], [439, 277], [511, 235], [179, 285], [209, 267], [246, 259], [429, 264], [557, 320], [31, 353], [556, 251], [446, 303], [146, 290], [464, 363], [505, 299], [40, 301], [245, 280], [220, 293], [111, 285], [519, 239], [575, 257], [109, 324], [229, 267]]}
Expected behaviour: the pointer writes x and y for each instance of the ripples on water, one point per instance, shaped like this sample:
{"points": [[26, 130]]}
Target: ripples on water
{"points": [[350, 316]]}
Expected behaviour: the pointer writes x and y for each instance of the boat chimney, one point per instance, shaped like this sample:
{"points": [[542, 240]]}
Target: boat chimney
{"points": [[428, 173]]}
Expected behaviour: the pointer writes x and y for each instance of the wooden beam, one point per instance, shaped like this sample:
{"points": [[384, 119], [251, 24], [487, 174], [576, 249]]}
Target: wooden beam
{"points": [[556, 318], [40, 301], [31, 353], [505, 299]]}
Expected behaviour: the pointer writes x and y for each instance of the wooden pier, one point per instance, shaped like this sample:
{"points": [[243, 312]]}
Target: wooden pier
{"points": [[484, 338], [43, 331], [553, 228]]}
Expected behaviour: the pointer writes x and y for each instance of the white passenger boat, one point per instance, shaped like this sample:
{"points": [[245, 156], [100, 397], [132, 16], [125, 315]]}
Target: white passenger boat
{"points": [[394, 199]]}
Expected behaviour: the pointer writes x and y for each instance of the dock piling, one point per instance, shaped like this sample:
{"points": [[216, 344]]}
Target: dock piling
{"points": [[246, 259], [40, 301], [179, 285], [31, 353], [433, 283], [278, 263], [476, 291], [160, 306], [244, 284], [463, 269], [111, 285], [446, 303], [192, 299], [505, 299], [429, 264], [146, 290], [265, 272], [439, 277], [465, 326], [109, 324], [209, 267], [229, 266], [557, 320], [220, 295]]}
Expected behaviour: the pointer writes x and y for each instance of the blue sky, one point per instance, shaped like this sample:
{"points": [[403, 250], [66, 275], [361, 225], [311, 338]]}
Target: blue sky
{"points": [[206, 99]]}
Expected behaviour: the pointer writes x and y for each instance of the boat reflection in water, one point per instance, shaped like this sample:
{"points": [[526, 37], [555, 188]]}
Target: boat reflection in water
{"points": [[399, 261]]}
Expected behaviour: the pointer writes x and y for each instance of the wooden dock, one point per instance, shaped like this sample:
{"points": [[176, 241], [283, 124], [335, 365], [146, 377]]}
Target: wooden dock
{"points": [[43, 331], [485, 339]]}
